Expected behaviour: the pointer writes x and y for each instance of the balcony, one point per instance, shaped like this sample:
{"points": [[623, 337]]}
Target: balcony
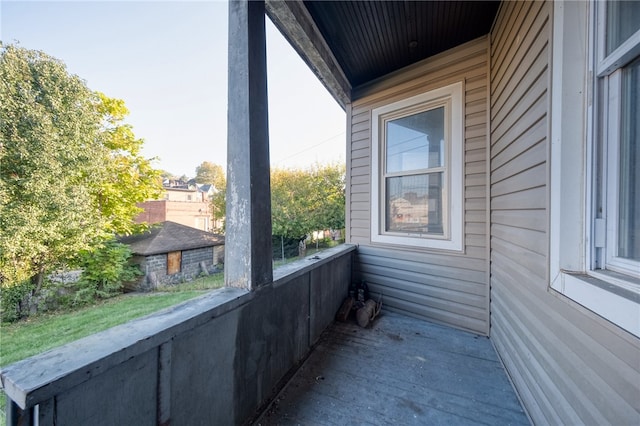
{"points": [[402, 371], [221, 358]]}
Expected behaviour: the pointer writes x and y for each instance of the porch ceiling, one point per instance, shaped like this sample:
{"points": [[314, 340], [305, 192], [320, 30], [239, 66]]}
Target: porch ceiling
{"points": [[372, 38], [348, 44]]}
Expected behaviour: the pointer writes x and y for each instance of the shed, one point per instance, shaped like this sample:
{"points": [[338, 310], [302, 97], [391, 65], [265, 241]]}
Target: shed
{"points": [[171, 253]]}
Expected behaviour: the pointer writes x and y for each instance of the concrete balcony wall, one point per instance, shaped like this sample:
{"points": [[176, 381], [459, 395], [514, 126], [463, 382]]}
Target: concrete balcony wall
{"points": [[213, 360]]}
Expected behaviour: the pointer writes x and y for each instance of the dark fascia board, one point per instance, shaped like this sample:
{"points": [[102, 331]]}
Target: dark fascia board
{"points": [[294, 22]]}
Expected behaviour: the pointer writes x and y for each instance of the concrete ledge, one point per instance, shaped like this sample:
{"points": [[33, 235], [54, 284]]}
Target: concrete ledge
{"points": [[42, 376], [300, 267]]}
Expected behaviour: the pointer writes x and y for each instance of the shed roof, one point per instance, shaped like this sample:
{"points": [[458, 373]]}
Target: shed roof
{"points": [[169, 236]]}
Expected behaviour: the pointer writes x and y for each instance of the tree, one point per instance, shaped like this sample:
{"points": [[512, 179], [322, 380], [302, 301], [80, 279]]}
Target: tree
{"points": [[213, 174], [328, 187], [303, 201], [219, 209], [50, 153], [71, 172], [210, 173], [128, 178], [164, 174]]}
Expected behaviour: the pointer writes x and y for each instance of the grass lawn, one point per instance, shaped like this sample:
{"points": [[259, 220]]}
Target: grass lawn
{"points": [[46, 331], [40, 333]]}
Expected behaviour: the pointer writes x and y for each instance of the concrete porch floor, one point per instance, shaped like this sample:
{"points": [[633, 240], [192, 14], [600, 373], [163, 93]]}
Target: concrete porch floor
{"points": [[402, 371]]}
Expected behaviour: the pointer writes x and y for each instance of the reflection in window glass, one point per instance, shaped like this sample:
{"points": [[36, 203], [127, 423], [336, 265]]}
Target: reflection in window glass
{"points": [[629, 187], [414, 204], [623, 20], [415, 142]]}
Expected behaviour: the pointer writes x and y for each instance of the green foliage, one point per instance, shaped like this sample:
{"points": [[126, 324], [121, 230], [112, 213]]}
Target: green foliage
{"points": [[12, 298], [50, 153], [210, 173], [43, 332], [105, 269], [328, 185], [219, 209], [71, 171], [303, 201], [128, 178], [164, 174], [207, 282], [284, 248], [291, 202]]}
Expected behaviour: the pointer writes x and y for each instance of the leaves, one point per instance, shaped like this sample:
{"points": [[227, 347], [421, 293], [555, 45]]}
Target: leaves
{"points": [[210, 173], [303, 201], [218, 209], [213, 174], [127, 177], [105, 268], [49, 141], [71, 170]]}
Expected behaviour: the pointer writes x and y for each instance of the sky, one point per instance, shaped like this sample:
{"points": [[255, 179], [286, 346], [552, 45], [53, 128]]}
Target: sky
{"points": [[168, 61]]}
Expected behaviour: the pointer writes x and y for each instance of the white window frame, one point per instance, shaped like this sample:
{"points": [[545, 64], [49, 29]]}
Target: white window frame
{"points": [[575, 231], [453, 194], [611, 110]]}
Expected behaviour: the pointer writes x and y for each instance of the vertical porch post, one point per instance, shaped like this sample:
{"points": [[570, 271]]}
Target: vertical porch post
{"points": [[248, 221]]}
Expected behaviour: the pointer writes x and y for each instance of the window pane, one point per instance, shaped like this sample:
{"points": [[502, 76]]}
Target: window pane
{"points": [[414, 204], [623, 20], [415, 142], [629, 187]]}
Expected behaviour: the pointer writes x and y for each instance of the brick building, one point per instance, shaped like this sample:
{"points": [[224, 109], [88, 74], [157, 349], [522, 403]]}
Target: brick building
{"points": [[188, 206]]}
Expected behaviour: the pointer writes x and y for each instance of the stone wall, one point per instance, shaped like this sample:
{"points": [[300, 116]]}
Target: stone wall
{"points": [[155, 267], [218, 255]]}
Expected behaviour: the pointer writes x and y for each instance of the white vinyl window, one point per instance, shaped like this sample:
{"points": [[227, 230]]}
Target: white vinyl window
{"points": [[417, 166], [595, 126], [617, 207]]}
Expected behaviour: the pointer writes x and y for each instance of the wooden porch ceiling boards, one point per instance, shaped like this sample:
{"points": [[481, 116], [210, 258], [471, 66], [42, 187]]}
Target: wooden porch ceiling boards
{"points": [[370, 39]]}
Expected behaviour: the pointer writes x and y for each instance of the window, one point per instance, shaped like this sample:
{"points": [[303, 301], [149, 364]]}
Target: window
{"points": [[617, 153], [174, 262], [417, 168], [595, 247]]}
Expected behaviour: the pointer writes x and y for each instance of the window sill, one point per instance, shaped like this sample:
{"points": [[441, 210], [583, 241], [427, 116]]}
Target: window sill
{"points": [[602, 293], [454, 245]]}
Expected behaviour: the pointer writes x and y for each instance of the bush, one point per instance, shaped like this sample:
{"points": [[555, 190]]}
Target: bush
{"points": [[12, 299], [289, 245], [105, 270]]}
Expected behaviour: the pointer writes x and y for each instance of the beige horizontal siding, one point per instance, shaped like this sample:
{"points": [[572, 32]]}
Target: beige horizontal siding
{"points": [[569, 365], [475, 179], [443, 287], [426, 284]]}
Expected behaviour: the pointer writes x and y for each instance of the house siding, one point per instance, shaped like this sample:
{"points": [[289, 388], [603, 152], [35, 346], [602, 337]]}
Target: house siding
{"points": [[569, 365], [446, 287]]}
